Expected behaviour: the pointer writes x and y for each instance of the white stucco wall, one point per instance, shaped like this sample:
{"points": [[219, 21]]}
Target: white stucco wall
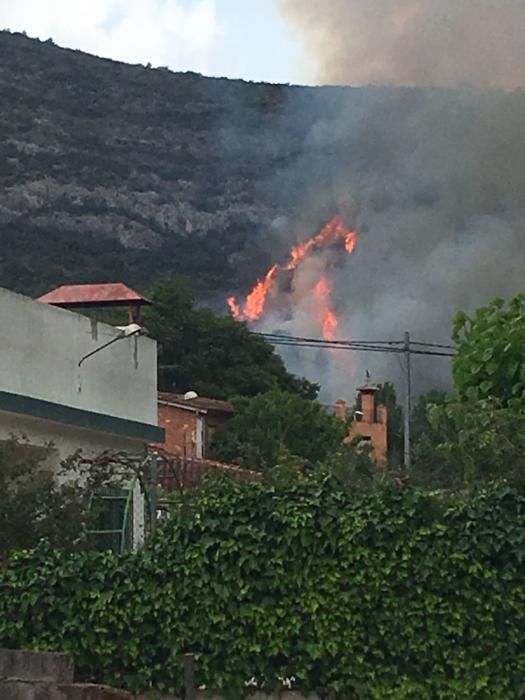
{"points": [[41, 345], [66, 439]]}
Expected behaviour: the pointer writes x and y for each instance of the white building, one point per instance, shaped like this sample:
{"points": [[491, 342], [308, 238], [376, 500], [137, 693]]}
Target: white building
{"points": [[50, 390]]}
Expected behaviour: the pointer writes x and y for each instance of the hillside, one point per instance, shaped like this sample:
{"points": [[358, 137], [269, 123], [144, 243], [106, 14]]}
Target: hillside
{"points": [[117, 172], [112, 171]]}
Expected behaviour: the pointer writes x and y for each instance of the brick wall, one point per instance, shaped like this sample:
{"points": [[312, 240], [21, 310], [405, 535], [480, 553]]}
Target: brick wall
{"points": [[181, 428]]}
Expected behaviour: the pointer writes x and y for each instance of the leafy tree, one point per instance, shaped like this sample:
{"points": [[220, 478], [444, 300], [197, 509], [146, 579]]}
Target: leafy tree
{"points": [[387, 396], [353, 468], [479, 435], [484, 440], [25, 487], [213, 355], [41, 501], [490, 361], [430, 466], [267, 424]]}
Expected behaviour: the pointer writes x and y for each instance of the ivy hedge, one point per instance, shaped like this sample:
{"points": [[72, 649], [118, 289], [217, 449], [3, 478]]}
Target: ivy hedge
{"points": [[394, 594]]}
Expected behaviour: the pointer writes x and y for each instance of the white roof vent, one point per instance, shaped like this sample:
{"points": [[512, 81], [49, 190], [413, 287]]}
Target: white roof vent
{"points": [[190, 395]]}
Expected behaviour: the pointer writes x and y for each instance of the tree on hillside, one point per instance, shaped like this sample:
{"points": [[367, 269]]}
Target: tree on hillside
{"points": [[490, 361], [213, 355], [275, 423]]}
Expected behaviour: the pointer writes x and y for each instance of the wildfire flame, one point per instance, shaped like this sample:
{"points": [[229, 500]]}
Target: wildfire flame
{"points": [[326, 314], [254, 305]]}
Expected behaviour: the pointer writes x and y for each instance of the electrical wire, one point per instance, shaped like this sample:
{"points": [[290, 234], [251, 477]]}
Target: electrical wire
{"points": [[433, 345], [385, 346]]}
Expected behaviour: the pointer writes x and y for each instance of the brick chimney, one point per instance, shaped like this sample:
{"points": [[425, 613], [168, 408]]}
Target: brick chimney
{"points": [[368, 402], [371, 423]]}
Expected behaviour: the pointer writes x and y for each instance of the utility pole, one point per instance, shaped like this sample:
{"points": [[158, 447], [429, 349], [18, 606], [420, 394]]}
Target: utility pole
{"points": [[407, 410]]}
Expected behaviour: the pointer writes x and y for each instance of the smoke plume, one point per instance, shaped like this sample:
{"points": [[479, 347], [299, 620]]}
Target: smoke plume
{"points": [[433, 181], [430, 175], [413, 42]]}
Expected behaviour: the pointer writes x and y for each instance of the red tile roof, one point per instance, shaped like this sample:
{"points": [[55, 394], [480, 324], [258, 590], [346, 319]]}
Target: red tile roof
{"points": [[113, 294], [200, 403]]}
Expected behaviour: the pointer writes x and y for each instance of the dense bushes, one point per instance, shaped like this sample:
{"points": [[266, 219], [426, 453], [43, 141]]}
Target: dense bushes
{"points": [[397, 594]]}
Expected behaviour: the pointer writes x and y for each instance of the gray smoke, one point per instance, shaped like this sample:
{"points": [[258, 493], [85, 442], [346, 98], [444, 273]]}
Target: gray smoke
{"points": [[435, 180], [413, 42], [435, 174]]}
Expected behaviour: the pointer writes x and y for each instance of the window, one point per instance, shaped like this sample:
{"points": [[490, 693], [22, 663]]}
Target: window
{"points": [[112, 527]]}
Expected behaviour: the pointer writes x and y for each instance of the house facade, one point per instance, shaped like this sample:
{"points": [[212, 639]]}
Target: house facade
{"points": [[190, 422], [77, 383]]}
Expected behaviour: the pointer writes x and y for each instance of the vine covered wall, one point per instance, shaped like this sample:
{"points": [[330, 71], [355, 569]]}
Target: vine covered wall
{"points": [[394, 594]]}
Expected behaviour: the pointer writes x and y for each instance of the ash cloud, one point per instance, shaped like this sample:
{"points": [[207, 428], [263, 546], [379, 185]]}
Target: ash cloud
{"points": [[413, 42]]}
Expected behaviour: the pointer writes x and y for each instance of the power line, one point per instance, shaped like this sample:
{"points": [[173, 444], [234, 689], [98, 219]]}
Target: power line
{"points": [[393, 346], [280, 336], [405, 347], [433, 345]]}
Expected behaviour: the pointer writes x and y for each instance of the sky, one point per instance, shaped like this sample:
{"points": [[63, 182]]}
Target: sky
{"points": [[246, 39]]}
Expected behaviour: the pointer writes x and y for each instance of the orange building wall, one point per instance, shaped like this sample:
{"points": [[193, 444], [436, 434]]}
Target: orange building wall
{"points": [[373, 425]]}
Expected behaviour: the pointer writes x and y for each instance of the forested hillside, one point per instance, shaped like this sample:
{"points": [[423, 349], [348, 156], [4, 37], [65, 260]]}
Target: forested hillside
{"points": [[112, 171], [116, 172]]}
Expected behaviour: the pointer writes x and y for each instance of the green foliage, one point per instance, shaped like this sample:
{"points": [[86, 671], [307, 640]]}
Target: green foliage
{"points": [[25, 488], [484, 439], [352, 466], [396, 594], [42, 500], [431, 466], [213, 355], [490, 360], [387, 396], [265, 425]]}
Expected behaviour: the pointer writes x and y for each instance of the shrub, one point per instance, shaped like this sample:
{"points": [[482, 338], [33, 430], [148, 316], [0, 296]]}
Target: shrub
{"points": [[394, 594]]}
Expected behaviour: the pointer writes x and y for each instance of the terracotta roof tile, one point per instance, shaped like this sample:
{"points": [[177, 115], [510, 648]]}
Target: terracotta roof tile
{"points": [[93, 294]]}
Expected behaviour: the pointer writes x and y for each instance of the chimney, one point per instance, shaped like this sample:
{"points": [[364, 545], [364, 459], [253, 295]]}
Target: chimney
{"points": [[373, 424], [368, 403], [341, 409]]}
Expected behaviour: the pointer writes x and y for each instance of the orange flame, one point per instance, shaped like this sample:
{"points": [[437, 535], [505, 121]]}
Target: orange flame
{"points": [[327, 317], [256, 300], [350, 242], [255, 303]]}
